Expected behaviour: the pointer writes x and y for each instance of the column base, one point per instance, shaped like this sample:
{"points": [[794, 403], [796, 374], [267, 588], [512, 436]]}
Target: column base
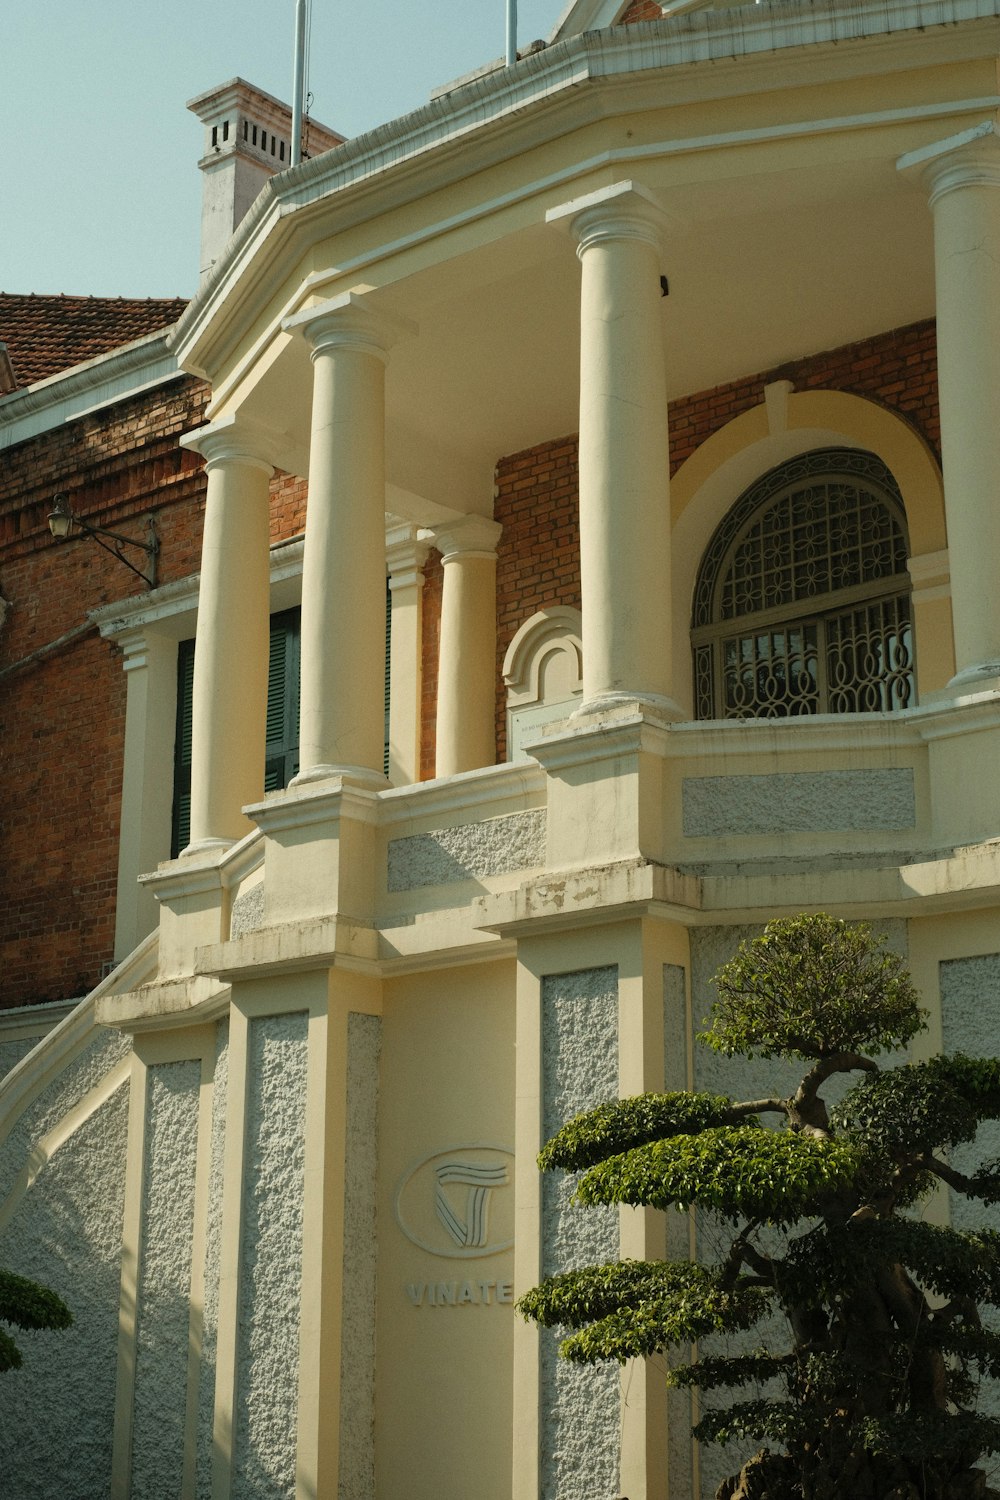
{"points": [[205, 846], [971, 682], [362, 776], [618, 705]]}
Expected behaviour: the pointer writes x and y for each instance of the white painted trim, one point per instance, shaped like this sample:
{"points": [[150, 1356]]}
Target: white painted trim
{"points": [[720, 37], [189, 333], [86, 388]]}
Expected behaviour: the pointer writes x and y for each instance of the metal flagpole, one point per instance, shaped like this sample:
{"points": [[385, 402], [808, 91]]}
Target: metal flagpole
{"points": [[298, 80], [511, 33]]}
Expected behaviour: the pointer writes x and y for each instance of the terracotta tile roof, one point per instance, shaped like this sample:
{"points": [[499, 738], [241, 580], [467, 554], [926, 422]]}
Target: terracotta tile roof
{"points": [[45, 335]]}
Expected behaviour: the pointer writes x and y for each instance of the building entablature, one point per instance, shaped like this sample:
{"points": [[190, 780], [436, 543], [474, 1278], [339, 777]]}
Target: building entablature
{"points": [[578, 85]]}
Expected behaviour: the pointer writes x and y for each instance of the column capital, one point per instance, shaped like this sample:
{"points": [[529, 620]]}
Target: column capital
{"points": [[969, 159], [406, 549], [472, 536], [233, 440], [349, 321], [624, 211]]}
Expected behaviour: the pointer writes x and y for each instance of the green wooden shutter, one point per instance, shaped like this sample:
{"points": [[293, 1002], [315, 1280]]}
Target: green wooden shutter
{"points": [[180, 830], [282, 752]]}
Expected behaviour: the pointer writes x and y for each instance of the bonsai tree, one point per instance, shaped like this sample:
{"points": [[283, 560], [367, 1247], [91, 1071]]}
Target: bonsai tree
{"points": [[27, 1304], [872, 1388]]}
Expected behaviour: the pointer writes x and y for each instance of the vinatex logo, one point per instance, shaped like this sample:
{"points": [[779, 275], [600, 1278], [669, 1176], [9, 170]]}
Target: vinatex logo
{"points": [[458, 1202]]}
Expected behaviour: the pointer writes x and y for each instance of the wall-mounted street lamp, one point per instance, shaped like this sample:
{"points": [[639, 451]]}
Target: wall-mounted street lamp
{"points": [[61, 523]]}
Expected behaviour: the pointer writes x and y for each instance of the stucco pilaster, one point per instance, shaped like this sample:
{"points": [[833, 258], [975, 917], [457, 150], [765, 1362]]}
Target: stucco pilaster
{"points": [[466, 737], [405, 554]]}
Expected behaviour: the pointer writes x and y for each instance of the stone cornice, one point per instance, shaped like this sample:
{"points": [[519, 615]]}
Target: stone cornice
{"points": [[496, 116]]}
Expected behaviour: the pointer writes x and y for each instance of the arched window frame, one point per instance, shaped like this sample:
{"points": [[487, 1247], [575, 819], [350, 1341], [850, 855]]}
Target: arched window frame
{"points": [[813, 630]]}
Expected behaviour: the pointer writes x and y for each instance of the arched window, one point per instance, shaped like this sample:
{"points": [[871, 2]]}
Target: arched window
{"points": [[802, 604]]}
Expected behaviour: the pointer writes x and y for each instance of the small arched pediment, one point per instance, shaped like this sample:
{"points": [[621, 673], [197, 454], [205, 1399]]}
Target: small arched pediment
{"points": [[543, 670]]}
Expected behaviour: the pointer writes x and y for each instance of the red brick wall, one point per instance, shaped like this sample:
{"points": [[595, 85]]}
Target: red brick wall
{"points": [[537, 501], [642, 10], [62, 717], [897, 369]]}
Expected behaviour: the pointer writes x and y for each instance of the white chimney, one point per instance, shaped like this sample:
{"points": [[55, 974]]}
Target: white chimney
{"points": [[247, 140]]}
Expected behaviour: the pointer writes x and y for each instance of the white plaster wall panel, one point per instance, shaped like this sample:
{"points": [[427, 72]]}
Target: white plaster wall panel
{"points": [[798, 802], [58, 1418], [164, 1280], [580, 1421], [56, 1099], [213, 1240], [248, 911], [357, 1361], [970, 1023], [271, 1260], [472, 851]]}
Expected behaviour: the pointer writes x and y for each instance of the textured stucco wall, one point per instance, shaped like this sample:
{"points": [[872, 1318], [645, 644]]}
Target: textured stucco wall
{"points": [[470, 852], [12, 1052], [213, 1239], [164, 1281], [579, 1406], [248, 911], [798, 802], [357, 1363], [58, 1410], [970, 1022], [65, 1091], [271, 1260]]}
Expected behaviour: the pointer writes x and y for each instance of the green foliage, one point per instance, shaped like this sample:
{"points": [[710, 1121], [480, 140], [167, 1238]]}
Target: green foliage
{"points": [[813, 987], [631, 1308], [622, 1124], [838, 1258], [27, 1305], [737, 1170], [875, 1392], [922, 1107]]}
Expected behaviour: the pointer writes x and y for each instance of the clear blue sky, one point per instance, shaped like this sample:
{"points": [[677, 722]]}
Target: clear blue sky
{"points": [[100, 187]]}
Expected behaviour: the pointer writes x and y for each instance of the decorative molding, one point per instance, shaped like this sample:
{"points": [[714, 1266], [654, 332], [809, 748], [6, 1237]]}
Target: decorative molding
{"points": [[349, 321], [472, 536], [557, 628]]}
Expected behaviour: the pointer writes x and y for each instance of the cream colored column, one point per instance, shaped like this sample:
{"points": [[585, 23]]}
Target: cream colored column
{"points": [[147, 780], [624, 455], [962, 174], [466, 730], [405, 555], [229, 700], [343, 572]]}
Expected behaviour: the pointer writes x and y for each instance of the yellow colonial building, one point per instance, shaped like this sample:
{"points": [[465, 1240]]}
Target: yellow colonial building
{"points": [[293, 1135]]}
